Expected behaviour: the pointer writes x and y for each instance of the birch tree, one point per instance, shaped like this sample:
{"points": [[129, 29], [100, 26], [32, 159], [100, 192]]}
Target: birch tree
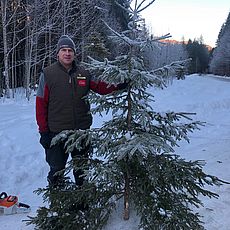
{"points": [[5, 47]]}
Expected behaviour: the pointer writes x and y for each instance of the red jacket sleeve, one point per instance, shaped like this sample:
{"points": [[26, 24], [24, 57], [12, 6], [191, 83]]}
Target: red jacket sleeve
{"points": [[102, 87], [42, 99]]}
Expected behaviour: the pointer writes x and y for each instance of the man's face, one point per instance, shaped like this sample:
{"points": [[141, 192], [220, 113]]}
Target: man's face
{"points": [[66, 56]]}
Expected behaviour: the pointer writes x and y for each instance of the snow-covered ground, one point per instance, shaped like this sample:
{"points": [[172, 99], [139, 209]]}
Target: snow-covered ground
{"points": [[23, 168]]}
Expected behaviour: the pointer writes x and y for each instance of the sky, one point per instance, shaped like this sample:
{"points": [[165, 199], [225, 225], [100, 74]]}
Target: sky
{"points": [[23, 167], [187, 18]]}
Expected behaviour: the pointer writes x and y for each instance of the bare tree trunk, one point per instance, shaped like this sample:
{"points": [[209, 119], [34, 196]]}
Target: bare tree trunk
{"points": [[49, 34], [13, 60], [5, 48], [126, 174], [1, 83], [82, 30], [64, 17], [13, 74], [34, 72], [28, 54]]}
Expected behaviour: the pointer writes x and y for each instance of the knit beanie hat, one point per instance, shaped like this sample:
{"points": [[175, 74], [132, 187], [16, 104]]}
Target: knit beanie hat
{"points": [[65, 42]]}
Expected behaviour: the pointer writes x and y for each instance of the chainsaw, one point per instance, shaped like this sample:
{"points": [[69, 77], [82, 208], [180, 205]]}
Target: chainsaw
{"points": [[10, 205]]}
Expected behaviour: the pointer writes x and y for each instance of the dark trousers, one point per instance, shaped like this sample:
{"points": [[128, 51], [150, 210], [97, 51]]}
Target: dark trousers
{"points": [[57, 158]]}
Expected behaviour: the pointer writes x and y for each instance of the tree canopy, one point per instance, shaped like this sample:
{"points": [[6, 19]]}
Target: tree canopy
{"points": [[220, 62]]}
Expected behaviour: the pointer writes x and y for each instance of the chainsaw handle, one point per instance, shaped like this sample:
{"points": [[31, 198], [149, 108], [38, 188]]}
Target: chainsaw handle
{"points": [[23, 205], [12, 199], [3, 195]]}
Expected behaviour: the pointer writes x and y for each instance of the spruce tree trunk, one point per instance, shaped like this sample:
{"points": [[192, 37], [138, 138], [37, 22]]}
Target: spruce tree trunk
{"points": [[126, 197], [126, 174]]}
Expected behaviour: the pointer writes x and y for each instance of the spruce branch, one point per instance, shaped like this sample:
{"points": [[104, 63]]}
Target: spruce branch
{"points": [[139, 9]]}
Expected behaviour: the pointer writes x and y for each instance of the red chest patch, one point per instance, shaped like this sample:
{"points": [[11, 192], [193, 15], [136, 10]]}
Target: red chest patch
{"points": [[81, 82]]}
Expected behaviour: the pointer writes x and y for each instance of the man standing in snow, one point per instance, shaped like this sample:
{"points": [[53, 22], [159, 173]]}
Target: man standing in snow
{"points": [[60, 105]]}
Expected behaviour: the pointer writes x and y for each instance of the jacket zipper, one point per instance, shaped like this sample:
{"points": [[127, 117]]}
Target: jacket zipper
{"points": [[72, 82]]}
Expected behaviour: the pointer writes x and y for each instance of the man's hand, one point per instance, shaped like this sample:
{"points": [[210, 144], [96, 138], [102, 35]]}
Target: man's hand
{"points": [[124, 85], [45, 140]]}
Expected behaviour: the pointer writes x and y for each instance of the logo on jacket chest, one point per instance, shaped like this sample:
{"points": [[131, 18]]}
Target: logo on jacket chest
{"points": [[81, 80]]}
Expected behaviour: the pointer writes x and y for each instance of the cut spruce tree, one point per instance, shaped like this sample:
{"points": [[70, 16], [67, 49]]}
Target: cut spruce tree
{"points": [[132, 154]]}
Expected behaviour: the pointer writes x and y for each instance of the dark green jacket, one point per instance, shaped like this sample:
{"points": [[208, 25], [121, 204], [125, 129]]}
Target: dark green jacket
{"points": [[61, 102]]}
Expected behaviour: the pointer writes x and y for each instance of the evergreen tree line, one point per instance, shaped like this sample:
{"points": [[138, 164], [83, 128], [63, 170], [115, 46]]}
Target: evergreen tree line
{"points": [[205, 60], [200, 54], [220, 61], [196, 50]]}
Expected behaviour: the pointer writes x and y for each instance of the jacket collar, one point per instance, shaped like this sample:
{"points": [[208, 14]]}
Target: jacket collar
{"points": [[72, 70]]}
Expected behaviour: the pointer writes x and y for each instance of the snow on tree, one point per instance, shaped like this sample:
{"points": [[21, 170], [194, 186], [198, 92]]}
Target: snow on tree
{"points": [[163, 53], [220, 63], [132, 156]]}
